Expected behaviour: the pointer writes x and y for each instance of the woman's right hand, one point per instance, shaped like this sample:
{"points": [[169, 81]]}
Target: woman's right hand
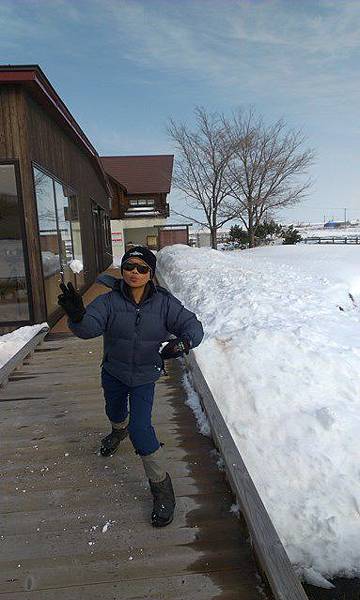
{"points": [[71, 302]]}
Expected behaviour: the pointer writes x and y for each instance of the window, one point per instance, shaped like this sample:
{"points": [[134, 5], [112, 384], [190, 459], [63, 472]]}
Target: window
{"points": [[49, 241], [76, 235], [60, 237], [152, 242], [142, 202], [13, 289], [107, 231], [64, 231]]}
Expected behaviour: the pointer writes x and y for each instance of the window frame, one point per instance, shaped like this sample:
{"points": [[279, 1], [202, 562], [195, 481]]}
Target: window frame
{"points": [[58, 228], [16, 164], [54, 178], [141, 202]]}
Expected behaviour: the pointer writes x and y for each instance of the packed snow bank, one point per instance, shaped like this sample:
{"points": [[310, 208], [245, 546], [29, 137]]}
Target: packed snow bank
{"points": [[11, 343], [283, 363]]}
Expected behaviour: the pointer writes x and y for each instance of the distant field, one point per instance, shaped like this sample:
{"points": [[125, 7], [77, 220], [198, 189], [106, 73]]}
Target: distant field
{"points": [[349, 231]]}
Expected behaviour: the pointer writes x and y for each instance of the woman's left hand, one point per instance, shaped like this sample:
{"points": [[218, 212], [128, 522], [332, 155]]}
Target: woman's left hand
{"points": [[175, 348]]}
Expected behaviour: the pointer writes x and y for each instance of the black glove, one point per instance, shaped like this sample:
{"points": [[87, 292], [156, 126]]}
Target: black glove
{"points": [[71, 302], [175, 348]]}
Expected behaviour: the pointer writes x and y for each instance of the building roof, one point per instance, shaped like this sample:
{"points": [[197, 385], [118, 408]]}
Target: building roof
{"points": [[37, 84], [141, 174]]}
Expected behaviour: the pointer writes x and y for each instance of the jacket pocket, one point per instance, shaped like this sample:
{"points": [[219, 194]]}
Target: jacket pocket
{"points": [[146, 354]]}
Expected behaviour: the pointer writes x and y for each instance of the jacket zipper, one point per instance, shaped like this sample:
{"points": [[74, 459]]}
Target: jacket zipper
{"points": [[137, 321]]}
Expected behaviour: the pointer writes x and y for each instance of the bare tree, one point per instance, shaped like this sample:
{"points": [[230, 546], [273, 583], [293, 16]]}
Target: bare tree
{"points": [[200, 169], [266, 169]]}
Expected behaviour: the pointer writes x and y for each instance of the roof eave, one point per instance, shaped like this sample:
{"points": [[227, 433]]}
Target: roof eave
{"points": [[35, 80]]}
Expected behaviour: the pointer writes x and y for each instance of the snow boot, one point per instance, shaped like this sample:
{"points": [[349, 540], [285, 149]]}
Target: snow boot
{"points": [[111, 442], [164, 502]]}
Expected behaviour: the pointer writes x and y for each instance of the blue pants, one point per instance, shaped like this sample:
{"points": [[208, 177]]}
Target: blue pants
{"points": [[141, 398]]}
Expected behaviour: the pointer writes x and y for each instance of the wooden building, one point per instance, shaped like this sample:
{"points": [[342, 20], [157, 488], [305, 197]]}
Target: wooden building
{"points": [[173, 233], [55, 200], [140, 187]]}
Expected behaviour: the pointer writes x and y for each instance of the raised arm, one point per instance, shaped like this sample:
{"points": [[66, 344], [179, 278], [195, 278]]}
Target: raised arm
{"points": [[84, 322]]}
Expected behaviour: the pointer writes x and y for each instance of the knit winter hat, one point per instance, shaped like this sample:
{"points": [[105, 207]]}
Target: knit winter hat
{"points": [[140, 252]]}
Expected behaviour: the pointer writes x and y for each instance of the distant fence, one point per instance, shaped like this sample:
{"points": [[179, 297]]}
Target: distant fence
{"points": [[333, 239]]}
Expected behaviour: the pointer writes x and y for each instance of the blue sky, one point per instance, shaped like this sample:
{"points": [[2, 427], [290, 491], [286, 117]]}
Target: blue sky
{"points": [[123, 67]]}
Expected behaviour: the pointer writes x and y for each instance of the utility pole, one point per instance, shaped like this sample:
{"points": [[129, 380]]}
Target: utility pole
{"points": [[345, 217]]}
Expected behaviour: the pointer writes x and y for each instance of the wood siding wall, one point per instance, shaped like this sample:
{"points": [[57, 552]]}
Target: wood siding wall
{"points": [[168, 237], [118, 200], [28, 134], [53, 149], [14, 145]]}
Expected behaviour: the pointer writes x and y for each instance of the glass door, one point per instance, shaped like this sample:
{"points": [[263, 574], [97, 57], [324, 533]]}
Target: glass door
{"points": [[60, 235], [14, 300]]}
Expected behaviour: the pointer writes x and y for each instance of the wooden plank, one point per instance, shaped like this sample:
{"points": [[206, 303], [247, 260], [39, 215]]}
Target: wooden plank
{"points": [[40, 544], [283, 581], [85, 517], [174, 587], [41, 480], [118, 563], [125, 467]]}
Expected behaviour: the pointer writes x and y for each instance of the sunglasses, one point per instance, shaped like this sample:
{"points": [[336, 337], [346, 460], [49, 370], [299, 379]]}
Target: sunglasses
{"points": [[130, 266]]}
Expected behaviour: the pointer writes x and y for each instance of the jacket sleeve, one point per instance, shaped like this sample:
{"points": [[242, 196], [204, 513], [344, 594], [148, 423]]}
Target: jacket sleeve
{"points": [[95, 320], [183, 323]]}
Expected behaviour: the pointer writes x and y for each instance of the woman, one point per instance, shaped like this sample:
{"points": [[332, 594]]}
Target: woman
{"points": [[135, 318]]}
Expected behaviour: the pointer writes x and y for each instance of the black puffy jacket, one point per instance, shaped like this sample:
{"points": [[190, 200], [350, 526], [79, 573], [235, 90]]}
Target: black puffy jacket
{"points": [[132, 332]]}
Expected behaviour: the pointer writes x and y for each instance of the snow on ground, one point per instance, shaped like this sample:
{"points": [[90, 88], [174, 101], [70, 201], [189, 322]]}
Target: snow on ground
{"points": [[283, 363], [193, 401], [11, 343]]}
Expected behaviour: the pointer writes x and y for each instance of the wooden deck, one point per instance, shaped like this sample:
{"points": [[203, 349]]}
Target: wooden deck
{"points": [[75, 525]]}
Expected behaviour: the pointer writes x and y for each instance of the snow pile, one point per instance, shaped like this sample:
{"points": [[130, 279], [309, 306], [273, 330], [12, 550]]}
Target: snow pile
{"points": [[283, 363], [106, 526], [11, 343]]}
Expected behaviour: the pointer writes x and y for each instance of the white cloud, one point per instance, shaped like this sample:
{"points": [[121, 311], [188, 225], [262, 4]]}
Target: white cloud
{"points": [[300, 49], [26, 25], [256, 45]]}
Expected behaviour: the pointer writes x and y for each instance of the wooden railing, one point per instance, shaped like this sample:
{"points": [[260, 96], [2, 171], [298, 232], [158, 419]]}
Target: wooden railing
{"points": [[20, 356]]}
